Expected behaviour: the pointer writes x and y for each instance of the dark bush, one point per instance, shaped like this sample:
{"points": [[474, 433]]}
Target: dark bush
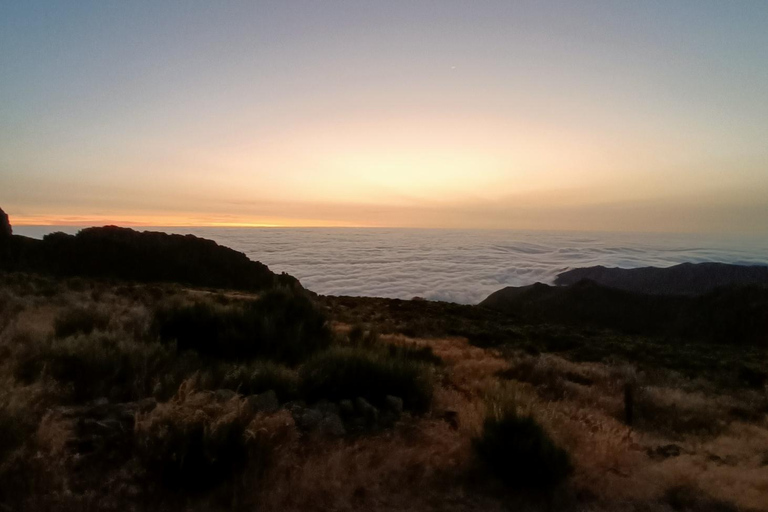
{"points": [[97, 365], [80, 320], [350, 372], [423, 354], [195, 442], [254, 378], [281, 325], [520, 453]]}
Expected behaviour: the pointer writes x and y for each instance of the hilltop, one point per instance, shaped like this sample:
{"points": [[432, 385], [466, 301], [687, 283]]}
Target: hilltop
{"points": [[682, 279], [112, 252]]}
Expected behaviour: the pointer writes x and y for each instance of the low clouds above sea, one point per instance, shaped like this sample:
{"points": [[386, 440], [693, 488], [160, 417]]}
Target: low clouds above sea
{"points": [[463, 266]]}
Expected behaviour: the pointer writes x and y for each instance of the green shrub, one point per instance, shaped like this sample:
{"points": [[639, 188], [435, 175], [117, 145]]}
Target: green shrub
{"points": [[520, 453], [350, 372], [195, 442], [80, 320], [280, 325], [261, 376], [97, 365]]}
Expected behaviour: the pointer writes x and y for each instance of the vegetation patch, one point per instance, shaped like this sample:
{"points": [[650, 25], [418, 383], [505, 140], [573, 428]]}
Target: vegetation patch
{"points": [[97, 365], [348, 372], [519, 452], [280, 325], [195, 442], [80, 320]]}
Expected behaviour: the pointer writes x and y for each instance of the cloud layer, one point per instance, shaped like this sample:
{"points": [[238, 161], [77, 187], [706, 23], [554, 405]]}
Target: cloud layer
{"points": [[463, 266]]}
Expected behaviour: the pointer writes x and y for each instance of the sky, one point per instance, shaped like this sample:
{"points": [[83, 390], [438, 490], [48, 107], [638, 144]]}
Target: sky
{"points": [[563, 115]]}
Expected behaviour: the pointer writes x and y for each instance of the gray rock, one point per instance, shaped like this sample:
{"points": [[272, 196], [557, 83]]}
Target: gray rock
{"points": [[332, 425], [346, 408], [326, 407], [308, 419], [367, 411], [265, 402], [224, 395], [394, 404]]}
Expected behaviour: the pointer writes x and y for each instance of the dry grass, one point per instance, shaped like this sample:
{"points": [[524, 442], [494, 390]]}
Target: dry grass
{"points": [[719, 455]]}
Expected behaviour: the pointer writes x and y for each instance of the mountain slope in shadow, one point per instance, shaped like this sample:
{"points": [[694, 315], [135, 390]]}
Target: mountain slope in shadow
{"points": [[683, 279], [123, 253]]}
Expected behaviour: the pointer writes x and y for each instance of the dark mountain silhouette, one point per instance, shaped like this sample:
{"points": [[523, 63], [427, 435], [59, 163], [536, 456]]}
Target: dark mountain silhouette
{"points": [[122, 253], [5, 225], [735, 315], [683, 279]]}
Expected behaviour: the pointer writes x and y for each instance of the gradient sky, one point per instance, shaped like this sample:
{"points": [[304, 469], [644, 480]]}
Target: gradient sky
{"points": [[621, 115]]}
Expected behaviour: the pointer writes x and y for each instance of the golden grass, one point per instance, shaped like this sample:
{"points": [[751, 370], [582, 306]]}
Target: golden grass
{"points": [[427, 463]]}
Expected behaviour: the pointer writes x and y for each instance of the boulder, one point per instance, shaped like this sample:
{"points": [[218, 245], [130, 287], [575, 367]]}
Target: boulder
{"points": [[346, 408], [367, 411], [307, 419], [394, 404], [224, 395], [264, 402], [332, 425], [5, 225]]}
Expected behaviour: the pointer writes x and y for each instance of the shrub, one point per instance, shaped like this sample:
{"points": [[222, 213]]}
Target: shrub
{"points": [[261, 376], [195, 442], [350, 372], [80, 320], [96, 365], [280, 325], [423, 354], [520, 453]]}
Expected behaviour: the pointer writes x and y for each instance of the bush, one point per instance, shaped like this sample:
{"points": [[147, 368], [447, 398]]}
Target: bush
{"points": [[261, 376], [80, 320], [97, 365], [280, 325], [195, 443], [423, 354], [520, 453], [350, 372]]}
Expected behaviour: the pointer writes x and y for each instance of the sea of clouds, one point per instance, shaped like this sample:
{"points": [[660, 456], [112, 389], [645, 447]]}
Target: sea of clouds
{"points": [[462, 266]]}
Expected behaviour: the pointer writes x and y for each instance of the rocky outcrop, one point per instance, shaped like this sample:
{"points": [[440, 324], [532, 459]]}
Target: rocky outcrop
{"points": [[121, 253], [683, 279], [5, 225]]}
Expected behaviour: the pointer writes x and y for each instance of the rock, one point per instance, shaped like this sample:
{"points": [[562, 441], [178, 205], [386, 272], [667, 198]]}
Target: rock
{"points": [[5, 225], [346, 408], [224, 395], [308, 419], [326, 407], [367, 411], [264, 402], [99, 402], [332, 425], [394, 404]]}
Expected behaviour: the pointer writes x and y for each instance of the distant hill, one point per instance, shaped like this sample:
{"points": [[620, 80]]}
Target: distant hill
{"points": [[736, 315], [683, 279], [122, 253]]}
